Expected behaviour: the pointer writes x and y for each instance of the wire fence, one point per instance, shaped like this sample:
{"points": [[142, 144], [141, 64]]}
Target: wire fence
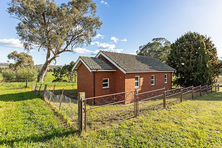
{"points": [[64, 105], [102, 111]]}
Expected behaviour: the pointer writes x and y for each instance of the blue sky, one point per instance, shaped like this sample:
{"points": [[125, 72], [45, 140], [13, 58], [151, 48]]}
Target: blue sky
{"points": [[127, 24]]}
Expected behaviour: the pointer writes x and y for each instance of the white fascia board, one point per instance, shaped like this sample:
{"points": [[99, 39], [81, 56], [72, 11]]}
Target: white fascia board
{"points": [[104, 70], [77, 62], [100, 53], [146, 71], [80, 60]]}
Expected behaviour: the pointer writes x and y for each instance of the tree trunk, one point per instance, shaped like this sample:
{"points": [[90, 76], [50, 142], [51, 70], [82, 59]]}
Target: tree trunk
{"points": [[43, 71]]}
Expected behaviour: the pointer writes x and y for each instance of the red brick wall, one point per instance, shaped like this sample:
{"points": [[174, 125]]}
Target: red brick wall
{"points": [[145, 81], [119, 81], [99, 83], [85, 81]]}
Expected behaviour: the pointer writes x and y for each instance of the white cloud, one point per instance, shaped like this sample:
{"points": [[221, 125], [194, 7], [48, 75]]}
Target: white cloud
{"points": [[103, 2], [94, 52], [12, 43], [115, 39], [124, 40], [99, 36], [81, 50], [117, 50], [104, 45]]}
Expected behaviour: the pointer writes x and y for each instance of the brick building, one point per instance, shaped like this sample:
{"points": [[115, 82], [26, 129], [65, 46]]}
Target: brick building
{"points": [[111, 72]]}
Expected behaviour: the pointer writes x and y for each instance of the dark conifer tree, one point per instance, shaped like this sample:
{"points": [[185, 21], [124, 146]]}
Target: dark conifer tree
{"points": [[184, 57]]}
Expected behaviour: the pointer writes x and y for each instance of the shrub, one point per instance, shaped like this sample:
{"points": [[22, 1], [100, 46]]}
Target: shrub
{"points": [[8, 75], [57, 80], [23, 74]]}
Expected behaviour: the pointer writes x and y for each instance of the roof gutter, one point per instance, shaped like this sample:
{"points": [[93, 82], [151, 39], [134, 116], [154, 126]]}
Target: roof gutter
{"points": [[146, 71]]}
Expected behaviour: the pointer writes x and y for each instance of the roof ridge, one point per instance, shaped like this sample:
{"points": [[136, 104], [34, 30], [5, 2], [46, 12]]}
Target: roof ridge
{"points": [[126, 53]]}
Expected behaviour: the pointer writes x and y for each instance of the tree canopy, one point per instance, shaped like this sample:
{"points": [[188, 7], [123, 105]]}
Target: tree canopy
{"points": [[194, 57], [54, 28], [21, 60], [159, 48]]}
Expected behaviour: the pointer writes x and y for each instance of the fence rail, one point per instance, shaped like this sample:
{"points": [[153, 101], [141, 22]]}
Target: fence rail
{"points": [[61, 103], [98, 114], [101, 111]]}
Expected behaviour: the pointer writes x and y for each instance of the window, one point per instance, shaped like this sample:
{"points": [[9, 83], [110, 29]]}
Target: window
{"points": [[165, 78], [152, 80], [137, 81], [106, 83]]}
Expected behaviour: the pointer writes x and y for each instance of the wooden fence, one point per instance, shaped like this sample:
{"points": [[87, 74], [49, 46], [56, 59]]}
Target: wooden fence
{"points": [[61, 103], [102, 111], [114, 109]]}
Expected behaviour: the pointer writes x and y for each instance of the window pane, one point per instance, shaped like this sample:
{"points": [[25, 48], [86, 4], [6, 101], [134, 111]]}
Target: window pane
{"points": [[105, 80], [105, 84], [137, 84], [152, 77], [137, 79]]}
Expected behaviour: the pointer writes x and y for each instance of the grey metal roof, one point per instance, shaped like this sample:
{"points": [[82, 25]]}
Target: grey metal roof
{"points": [[130, 63], [95, 63]]}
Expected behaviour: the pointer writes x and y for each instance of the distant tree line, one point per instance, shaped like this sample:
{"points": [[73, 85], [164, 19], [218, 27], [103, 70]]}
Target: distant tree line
{"points": [[24, 69], [65, 71], [193, 56]]}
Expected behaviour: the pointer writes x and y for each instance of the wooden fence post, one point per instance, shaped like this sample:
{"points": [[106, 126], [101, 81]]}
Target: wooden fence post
{"points": [[61, 97], [35, 89], [137, 102], [215, 88], [181, 95], [218, 87], [26, 83], [200, 90], [33, 86], [207, 89], [164, 99], [135, 93], [52, 94], [211, 88], [81, 98], [192, 92], [39, 89], [45, 92]]}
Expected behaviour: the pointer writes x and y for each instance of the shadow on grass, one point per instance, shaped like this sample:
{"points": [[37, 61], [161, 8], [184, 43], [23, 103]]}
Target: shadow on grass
{"points": [[41, 138], [210, 97], [18, 96]]}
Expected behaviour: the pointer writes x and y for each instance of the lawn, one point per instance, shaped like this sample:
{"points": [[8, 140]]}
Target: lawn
{"points": [[27, 121]]}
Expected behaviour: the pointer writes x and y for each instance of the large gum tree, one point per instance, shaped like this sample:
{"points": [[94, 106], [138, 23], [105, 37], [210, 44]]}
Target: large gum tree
{"points": [[54, 28]]}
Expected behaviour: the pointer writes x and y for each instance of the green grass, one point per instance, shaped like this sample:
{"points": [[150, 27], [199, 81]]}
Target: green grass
{"points": [[26, 121], [1, 76], [50, 77]]}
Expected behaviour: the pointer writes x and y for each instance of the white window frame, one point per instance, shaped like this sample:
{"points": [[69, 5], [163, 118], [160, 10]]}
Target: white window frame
{"points": [[153, 80], [106, 83], [137, 81], [165, 78]]}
